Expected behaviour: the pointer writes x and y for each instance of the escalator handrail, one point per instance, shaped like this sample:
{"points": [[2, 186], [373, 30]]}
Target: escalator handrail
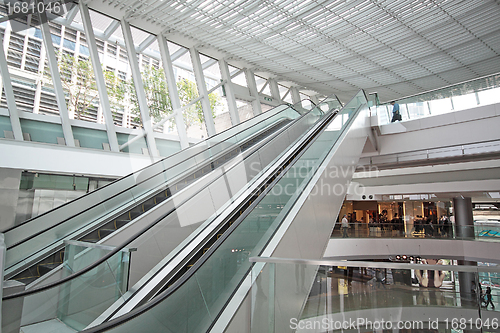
{"points": [[109, 198], [165, 294], [105, 257], [148, 166]]}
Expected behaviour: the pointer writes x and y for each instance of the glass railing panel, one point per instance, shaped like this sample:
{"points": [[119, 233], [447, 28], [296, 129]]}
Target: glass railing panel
{"points": [[462, 96], [440, 106], [178, 229], [79, 301], [463, 102], [219, 275], [490, 96], [302, 295], [109, 198], [417, 229], [187, 157]]}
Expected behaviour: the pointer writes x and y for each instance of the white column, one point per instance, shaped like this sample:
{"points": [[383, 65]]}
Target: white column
{"points": [[6, 41], [9, 96], [202, 91], [39, 82], [252, 87], [295, 95], [105, 107], [56, 80], [172, 90], [228, 86], [275, 91], [139, 88]]}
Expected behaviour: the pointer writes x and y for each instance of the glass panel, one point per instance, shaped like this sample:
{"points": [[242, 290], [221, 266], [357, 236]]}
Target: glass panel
{"points": [[222, 272], [466, 95], [82, 299], [122, 194], [370, 296], [78, 301]]}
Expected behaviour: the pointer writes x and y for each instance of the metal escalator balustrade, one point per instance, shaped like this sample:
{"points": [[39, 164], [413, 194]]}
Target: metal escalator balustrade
{"points": [[18, 251], [176, 267], [44, 266], [88, 269], [193, 302], [205, 149]]}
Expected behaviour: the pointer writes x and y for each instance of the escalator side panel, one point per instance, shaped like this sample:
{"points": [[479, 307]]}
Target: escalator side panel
{"points": [[305, 233], [188, 217]]}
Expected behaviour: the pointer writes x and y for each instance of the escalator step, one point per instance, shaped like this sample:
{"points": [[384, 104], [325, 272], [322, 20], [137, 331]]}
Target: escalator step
{"points": [[133, 215], [121, 223], [45, 268], [105, 232]]}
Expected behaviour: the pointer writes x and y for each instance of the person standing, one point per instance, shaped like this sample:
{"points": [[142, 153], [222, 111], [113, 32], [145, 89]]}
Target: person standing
{"points": [[396, 115], [345, 226]]}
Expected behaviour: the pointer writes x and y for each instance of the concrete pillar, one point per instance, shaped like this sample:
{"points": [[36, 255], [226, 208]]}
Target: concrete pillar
{"points": [[464, 228]]}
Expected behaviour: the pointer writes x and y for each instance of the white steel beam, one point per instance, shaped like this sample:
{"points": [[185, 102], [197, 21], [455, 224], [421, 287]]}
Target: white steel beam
{"points": [[252, 88], [6, 41], [56, 79], [99, 78], [275, 91], [295, 95], [110, 29], [145, 43], [139, 88], [231, 100], [172, 90], [208, 63], [71, 15], [263, 87], [9, 96], [179, 53], [202, 91]]}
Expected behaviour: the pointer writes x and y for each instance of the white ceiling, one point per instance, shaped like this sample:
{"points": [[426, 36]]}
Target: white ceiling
{"points": [[394, 47]]}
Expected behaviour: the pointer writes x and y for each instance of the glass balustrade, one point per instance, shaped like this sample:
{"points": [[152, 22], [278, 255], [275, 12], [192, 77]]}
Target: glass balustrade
{"points": [[334, 296], [462, 96]]}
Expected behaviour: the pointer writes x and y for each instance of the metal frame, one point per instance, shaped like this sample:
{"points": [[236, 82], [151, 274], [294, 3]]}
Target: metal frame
{"points": [[275, 91], [229, 90], [295, 95], [56, 80], [105, 107], [172, 88], [9, 96], [141, 96], [252, 88], [202, 91]]}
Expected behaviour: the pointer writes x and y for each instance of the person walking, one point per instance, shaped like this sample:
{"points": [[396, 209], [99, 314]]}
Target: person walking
{"points": [[396, 115], [488, 298], [345, 226]]}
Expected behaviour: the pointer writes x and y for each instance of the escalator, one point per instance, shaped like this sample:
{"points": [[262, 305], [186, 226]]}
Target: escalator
{"points": [[96, 234], [36, 246], [218, 259]]}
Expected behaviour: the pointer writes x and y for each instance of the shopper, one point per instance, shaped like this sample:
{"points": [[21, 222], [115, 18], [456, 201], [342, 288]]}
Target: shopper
{"points": [[345, 226], [396, 115]]}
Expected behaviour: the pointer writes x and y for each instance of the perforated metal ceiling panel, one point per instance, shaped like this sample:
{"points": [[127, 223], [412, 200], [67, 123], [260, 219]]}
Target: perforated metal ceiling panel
{"points": [[395, 47]]}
